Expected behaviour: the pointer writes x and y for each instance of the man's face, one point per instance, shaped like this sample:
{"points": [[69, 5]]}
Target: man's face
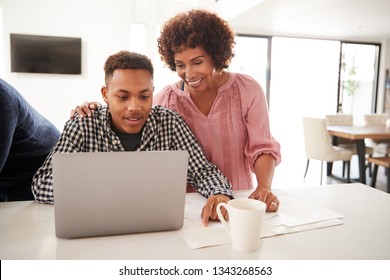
{"points": [[129, 96]]}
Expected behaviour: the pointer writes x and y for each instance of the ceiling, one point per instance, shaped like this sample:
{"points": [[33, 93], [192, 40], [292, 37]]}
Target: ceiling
{"points": [[348, 19], [366, 20]]}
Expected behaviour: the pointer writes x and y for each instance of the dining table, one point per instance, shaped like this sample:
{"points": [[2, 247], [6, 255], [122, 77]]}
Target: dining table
{"points": [[359, 134]]}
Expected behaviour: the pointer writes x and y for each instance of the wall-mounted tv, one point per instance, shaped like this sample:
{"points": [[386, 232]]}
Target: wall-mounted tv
{"points": [[45, 54]]}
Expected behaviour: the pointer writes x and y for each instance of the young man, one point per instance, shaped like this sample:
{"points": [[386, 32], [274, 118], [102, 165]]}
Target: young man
{"points": [[129, 123], [26, 138]]}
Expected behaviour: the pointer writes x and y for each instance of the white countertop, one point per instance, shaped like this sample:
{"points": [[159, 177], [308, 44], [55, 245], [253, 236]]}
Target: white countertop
{"points": [[27, 232]]}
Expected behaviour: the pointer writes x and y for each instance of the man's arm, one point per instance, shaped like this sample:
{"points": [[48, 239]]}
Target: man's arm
{"points": [[203, 175], [207, 179], [7, 128], [71, 140], [8, 123]]}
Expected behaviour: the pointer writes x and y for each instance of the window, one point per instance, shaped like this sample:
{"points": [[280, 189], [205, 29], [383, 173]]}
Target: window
{"points": [[251, 57], [307, 77], [358, 75], [138, 37], [163, 75]]}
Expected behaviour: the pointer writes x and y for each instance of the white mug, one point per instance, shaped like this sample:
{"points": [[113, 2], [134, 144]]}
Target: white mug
{"points": [[246, 217]]}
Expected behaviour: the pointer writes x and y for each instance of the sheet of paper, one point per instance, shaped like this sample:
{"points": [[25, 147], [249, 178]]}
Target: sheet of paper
{"points": [[297, 212], [294, 215]]}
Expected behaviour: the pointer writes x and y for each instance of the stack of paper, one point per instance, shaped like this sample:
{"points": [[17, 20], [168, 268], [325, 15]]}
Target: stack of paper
{"points": [[294, 215]]}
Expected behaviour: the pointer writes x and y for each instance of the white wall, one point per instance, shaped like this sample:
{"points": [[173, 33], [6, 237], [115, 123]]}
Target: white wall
{"points": [[104, 27], [92, 20]]}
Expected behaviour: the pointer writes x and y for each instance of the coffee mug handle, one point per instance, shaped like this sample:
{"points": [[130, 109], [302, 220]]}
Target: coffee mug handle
{"points": [[220, 216]]}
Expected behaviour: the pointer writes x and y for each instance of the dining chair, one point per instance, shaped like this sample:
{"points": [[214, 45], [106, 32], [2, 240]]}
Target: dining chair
{"points": [[379, 146], [341, 119], [376, 119], [380, 161], [318, 145], [347, 120]]}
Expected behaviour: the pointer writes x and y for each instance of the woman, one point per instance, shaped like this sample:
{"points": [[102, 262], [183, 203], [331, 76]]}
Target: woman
{"points": [[227, 112]]}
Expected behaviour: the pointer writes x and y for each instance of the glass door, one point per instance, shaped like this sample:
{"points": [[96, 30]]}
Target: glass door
{"points": [[304, 83], [358, 76], [308, 77], [251, 58]]}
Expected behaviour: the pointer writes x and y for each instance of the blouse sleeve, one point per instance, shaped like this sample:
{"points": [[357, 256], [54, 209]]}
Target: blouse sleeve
{"points": [[255, 113]]}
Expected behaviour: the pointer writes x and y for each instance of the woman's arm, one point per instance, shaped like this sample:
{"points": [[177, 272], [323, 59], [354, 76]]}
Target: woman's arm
{"points": [[85, 109], [264, 169]]}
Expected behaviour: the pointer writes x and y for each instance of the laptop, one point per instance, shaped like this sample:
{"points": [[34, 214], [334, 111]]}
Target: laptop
{"points": [[109, 193]]}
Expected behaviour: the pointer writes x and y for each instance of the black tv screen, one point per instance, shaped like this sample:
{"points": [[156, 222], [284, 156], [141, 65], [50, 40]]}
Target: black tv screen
{"points": [[45, 54]]}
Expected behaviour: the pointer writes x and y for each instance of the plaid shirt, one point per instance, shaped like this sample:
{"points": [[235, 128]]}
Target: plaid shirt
{"points": [[163, 130]]}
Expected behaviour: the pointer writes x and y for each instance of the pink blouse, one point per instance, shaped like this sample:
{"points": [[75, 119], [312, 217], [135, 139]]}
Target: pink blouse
{"points": [[235, 132]]}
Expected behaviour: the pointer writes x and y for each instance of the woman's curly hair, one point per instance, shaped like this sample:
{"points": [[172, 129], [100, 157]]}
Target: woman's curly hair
{"points": [[197, 28]]}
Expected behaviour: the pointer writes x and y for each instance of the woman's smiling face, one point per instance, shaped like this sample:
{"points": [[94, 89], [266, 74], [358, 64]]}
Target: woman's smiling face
{"points": [[195, 67]]}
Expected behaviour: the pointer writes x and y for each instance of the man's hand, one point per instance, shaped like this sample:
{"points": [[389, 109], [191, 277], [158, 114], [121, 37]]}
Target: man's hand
{"points": [[265, 195], [85, 109], [209, 211]]}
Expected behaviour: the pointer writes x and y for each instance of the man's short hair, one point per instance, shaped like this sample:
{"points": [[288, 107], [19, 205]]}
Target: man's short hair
{"points": [[127, 60]]}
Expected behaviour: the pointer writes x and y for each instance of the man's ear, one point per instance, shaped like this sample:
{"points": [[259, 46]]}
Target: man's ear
{"points": [[104, 92]]}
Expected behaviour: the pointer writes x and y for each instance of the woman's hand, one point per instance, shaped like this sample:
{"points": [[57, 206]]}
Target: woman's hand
{"points": [[265, 195], [86, 109]]}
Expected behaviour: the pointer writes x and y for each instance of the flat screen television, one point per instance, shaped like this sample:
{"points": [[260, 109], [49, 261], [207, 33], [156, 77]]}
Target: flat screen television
{"points": [[45, 54]]}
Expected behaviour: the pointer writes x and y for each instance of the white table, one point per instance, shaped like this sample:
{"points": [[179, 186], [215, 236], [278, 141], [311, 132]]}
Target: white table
{"points": [[27, 232]]}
